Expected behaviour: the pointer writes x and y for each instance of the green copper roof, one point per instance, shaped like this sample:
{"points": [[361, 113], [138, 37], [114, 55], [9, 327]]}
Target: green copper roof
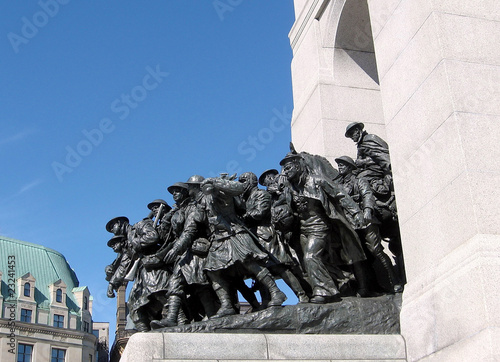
{"points": [[46, 265]]}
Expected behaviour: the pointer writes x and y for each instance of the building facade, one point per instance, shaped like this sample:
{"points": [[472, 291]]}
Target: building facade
{"points": [[44, 314], [425, 76]]}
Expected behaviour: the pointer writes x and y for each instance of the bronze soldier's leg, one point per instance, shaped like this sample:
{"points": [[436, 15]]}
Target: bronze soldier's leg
{"points": [[324, 288], [172, 308], [221, 288], [247, 293], [170, 313], [291, 280], [263, 275], [374, 245], [206, 299], [141, 324]]}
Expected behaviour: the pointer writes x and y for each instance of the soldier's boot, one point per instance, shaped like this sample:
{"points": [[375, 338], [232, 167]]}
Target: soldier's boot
{"points": [[249, 295], [182, 318], [294, 284], [226, 305], [277, 296], [391, 275], [170, 317], [364, 290], [207, 301], [141, 326]]}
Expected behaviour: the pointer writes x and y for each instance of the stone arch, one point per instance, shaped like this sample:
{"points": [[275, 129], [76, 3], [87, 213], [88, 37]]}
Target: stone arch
{"points": [[347, 32], [335, 79]]}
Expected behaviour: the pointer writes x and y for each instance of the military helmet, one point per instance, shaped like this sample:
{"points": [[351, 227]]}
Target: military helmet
{"points": [[262, 178], [351, 127], [114, 220], [181, 185], [195, 180], [291, 157], [115, 239], [346, 160], [158, 202]]}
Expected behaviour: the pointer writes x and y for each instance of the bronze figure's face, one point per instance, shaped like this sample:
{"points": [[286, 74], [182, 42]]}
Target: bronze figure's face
{"points": [[269, 179], [179, 194], [291, 170], [344, 169], [193, 189], [117, 247], [116, 227], [355, 135]]}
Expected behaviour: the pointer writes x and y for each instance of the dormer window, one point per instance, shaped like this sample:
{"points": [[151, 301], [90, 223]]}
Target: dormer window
{"points": [[59, 295], [27, 289], [85, 303]]}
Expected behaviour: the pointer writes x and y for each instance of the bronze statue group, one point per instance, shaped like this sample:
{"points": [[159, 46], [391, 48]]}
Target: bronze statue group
{"points": [[320, 230]]}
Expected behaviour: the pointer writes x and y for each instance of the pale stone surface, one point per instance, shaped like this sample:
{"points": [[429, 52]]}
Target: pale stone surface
{"points": [[144, 347], [485, 198], [485, 9], [439, 227], [299, 6], [439, 65], [381, 13], [259, 347], [482, 346], [281, 360], [353, 68], [469, 39], [479, 136], [406, 135], [340, 347], [411, 68], [215, 346], [449, 303], [437, 163], [305, 120], [405, 22], [315, 143], [475, 87], [352, 104], [305, 64]]}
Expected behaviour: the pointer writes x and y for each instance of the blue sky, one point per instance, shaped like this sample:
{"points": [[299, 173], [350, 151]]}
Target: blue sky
{"points": [[105, 104]]}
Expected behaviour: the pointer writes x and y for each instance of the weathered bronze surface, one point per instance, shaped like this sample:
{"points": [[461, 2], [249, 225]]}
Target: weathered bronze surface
{"points": [[321, 230]]}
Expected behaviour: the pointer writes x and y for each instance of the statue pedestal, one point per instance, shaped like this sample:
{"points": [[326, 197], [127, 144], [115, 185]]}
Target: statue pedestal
{"points": [[158, 346], [355, 329]]}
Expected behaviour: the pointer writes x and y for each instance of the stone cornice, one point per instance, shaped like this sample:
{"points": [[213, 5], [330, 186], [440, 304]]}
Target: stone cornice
{"points": [[308, 13], [44, 329]]}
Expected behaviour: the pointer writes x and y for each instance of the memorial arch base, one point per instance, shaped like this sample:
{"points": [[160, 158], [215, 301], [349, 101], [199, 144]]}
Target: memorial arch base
{"points": [[425, 76]]}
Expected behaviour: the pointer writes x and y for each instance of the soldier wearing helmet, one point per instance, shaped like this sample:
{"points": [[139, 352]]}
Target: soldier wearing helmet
{"points": [[359, 189]]}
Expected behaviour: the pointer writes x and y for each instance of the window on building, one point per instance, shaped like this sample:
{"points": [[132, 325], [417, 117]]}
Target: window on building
{"points": [[24, 352], [59, 295], [90, 358], [26, 315], [27, 289], [86, 327], [58, 355], [85, 303], [58, 320]]}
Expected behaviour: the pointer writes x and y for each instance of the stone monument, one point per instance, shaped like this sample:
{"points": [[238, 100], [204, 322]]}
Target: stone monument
{"points": [[309, 228], [424, 75]]}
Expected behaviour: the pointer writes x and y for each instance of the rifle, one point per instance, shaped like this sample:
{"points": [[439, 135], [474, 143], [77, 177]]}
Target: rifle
{"points": [[160, 209]]}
